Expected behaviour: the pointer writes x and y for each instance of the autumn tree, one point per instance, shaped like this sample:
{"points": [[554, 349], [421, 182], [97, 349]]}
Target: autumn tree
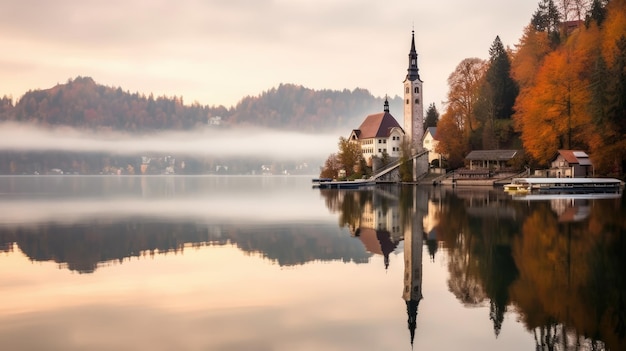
{"points": [[553, 112], [331, 167], [609, 111], [350, 156], [464, 84], [451, 140], [532, 48]]}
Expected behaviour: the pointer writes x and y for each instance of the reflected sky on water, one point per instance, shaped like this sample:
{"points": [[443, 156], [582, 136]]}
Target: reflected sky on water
{"points": [[268, 263]]}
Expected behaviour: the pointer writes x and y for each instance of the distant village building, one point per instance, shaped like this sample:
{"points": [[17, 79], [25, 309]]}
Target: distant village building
{"points": [[570, 164], [215, 120], [379, 134]]}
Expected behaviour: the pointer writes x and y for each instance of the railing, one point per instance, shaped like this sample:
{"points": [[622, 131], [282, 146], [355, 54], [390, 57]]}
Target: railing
{"points": [[390, 167]]}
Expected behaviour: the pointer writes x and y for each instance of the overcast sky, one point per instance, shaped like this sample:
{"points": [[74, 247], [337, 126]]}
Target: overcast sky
{"points": [[218, 51]]}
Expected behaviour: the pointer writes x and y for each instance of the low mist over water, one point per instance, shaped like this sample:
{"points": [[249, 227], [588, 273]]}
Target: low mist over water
{"points": [[242, 142]]}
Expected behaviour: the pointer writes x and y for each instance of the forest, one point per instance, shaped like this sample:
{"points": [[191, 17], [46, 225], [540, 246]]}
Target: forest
{"points": [[563, 86], [83, 104]]}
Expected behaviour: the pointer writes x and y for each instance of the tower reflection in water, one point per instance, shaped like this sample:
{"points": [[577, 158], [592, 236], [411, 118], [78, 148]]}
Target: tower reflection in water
{"points": [[413, 243], [381, 218]]}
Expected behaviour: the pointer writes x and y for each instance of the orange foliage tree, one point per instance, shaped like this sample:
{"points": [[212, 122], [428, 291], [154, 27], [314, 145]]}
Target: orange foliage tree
{"points": [[451, 139], [552, 113]]}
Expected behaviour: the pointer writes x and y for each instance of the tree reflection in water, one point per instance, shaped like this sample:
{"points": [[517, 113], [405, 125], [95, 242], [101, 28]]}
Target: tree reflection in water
{"points": [[558, 264]]}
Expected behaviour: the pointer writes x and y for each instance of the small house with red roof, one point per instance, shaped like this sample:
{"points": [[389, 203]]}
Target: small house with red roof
{"points": [[570, 164], [379, 135]]}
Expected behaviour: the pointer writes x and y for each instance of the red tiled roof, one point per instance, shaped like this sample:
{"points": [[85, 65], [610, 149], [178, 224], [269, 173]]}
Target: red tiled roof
{"points": [[377, 126], [377, 241], [575, 157]]}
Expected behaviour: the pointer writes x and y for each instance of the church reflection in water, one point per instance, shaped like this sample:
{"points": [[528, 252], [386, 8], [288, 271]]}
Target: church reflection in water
{"points": [[557, 264], [562, 254], [383, 217]]}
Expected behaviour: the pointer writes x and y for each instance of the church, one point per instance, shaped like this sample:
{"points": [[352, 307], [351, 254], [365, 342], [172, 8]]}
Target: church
{"points": [[380, 134]]}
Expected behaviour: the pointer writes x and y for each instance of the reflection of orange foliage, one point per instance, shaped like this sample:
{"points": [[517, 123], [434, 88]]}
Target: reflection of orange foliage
{"points": [[565, 276]]}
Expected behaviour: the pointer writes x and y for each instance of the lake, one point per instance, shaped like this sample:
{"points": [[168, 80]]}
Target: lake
{"points": [[270, 263]]}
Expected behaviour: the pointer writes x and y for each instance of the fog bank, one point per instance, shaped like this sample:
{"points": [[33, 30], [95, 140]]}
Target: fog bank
{"points": [[247, 142]]}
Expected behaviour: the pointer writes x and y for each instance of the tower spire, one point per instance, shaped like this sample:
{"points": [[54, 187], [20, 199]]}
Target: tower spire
{"points": [[413, 71], [386, 106]]}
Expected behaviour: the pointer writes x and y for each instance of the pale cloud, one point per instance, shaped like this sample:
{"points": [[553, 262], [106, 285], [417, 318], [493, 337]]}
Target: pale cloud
{"points": [[218, 51]]}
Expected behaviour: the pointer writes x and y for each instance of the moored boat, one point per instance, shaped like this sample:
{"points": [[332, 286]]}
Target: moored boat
{"points": [[343, 184], [566, 185], [516, 188]]}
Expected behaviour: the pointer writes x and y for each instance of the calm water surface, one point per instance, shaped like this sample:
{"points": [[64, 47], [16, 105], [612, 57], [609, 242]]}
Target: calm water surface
{"points": [[268, 263]]}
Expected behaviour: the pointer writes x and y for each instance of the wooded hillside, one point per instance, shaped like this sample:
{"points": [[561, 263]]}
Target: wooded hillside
{"points": [[82, 103], [562, 87]]}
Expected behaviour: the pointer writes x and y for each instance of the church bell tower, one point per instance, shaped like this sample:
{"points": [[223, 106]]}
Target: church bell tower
{"points": [[413, 108]]}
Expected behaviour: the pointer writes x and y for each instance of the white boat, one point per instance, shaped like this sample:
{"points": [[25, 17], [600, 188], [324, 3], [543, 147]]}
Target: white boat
{"points": [[568, 197], [566, 185]]}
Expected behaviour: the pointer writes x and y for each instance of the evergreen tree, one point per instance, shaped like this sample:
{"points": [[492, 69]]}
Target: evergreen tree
{"points": [[617, 89], [598, 79], [548, 19], [597, 12], [497, 97], [498, 76], [432, 117]]}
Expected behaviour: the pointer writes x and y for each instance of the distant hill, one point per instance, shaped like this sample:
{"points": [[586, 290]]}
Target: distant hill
{"points": [[82, 103]]}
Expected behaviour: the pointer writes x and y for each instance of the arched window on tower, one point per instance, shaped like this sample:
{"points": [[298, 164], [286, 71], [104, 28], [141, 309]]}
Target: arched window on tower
{"points": [[417, 101], [406, 91], [407, 101], [417, 90]]}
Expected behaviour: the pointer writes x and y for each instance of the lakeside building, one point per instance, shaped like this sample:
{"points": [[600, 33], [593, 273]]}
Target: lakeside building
{"points": [[570, 164], [381, 136]]}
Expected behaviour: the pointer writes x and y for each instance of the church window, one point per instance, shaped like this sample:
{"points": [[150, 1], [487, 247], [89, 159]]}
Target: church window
{"points": [[406, 90], [407, 101], [417, 90], [417, 101]]}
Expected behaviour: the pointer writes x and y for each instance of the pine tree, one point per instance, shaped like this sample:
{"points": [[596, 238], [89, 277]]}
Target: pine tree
{"points": [[548, 19], [499, 78], [597, 13], [497, 97], [432, 117]]}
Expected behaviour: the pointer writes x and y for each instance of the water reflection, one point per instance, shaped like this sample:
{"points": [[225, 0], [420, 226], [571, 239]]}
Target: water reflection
{"points": [[381, 218], [556, 266], [557, 263], [86, 222]]}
